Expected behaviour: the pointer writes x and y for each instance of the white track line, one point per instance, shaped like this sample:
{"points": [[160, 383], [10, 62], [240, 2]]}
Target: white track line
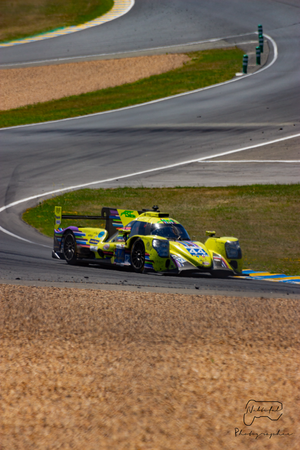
{"points": [[122, 177], [152, 49], [254, 161], [275, 56]]}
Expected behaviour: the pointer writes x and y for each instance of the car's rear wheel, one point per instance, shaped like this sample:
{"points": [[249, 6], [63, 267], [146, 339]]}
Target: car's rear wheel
{"points": [[138, 256], [69, 248]]}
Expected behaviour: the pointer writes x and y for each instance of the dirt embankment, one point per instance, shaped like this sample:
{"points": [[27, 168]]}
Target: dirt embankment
{"points": [[110, 370], [20, 87]]}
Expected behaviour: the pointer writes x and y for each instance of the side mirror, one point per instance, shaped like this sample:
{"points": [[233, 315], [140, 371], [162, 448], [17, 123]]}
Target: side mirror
{"points": [[210, 233], [124, 232]]}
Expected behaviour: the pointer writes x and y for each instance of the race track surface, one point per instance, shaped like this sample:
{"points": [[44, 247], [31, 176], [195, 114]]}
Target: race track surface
{"points": [[248, 112]]}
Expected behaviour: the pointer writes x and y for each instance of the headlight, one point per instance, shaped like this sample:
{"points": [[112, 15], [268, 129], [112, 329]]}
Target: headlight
{"points": [[162, 247], [233, 250]]}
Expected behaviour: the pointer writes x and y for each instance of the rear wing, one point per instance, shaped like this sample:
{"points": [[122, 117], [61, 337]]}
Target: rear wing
{"points": [[114, 219]]}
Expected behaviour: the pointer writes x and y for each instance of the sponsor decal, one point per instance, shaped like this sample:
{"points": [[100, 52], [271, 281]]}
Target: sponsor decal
{"points": [[93, 248], [197, 252], [57, 214], [188, 244], [106, 246], [128, 214], [94, 241], [178, 260], [194, 249], [120, 254], [101, 234], [167, 221]]}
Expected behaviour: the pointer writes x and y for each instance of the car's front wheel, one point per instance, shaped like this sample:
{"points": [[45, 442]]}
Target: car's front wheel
{"points": [[138, 256], [69, 248]]}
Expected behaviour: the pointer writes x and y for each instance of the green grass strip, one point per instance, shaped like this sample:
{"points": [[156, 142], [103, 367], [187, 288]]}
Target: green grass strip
{"points": [[265, 218], [204, 69], [27, 18]]}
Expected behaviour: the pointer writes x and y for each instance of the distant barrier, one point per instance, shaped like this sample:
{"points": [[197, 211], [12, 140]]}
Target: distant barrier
{"points": [[245, 63], [259, 50]]}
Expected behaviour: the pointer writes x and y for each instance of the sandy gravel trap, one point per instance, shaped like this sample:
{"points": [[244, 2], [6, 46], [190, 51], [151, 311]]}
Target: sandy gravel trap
{"points": [[26, 86], [108, 370]]}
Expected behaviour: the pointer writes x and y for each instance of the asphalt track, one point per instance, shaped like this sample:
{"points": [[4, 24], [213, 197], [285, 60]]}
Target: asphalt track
{"points": [[243, 114]]}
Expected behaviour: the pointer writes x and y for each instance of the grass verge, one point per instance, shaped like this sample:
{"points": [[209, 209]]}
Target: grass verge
{"points": [[32, 17], [265, 218], [204, 69]]}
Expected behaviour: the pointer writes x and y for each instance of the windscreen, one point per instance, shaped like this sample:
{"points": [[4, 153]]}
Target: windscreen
{"points": [[170, 231]]}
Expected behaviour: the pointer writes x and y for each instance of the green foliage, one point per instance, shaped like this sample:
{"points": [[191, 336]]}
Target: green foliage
{"points": [[205, 68], [264, 218]]}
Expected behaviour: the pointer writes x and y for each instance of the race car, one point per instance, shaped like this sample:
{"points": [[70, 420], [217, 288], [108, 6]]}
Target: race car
{"points": [[146, 241]]}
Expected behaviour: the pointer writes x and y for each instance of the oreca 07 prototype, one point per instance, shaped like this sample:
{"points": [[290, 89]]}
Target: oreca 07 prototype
{"points": [[147, 240]]}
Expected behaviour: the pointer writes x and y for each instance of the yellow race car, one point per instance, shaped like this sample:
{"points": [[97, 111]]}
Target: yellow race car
{"points": [[147, 241]]}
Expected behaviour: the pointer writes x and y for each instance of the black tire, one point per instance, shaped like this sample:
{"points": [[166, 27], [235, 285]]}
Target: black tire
{"points": [[69, 248], [138, 256]]}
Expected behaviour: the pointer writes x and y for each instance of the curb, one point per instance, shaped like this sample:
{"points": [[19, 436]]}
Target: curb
{"points": [[267, 276], [120, 8]]}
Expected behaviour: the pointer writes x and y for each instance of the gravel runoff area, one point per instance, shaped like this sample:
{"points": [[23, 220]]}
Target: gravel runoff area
{"points": [[26, 86], [108, 370]]}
